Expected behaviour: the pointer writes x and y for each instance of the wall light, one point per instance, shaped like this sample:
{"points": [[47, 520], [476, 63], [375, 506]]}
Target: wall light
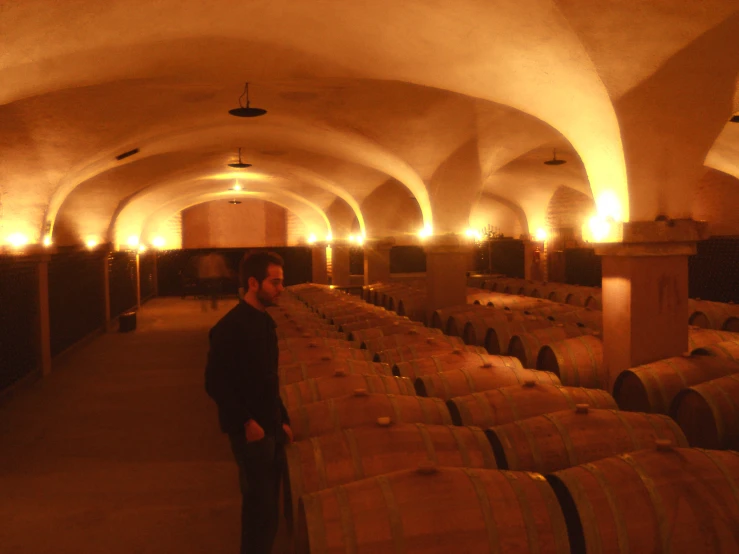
{"points": [[142, 248], [541, 234], [133, 241], [427, 231], [237, 186], [47, 241], [329, 237], [91, 243], [158, 242], [312, 239], [473, 234]]}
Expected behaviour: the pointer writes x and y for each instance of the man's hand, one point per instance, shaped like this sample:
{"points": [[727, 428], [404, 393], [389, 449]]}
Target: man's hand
{"points": [[254, 431], [288, 432]]}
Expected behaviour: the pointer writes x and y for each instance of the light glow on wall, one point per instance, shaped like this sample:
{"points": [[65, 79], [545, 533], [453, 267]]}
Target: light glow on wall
{"points": [[237, 186], [132, 241], [312, 239], [92, 242], [541, 234], [599, 229], [158, 242], [427, 231], [358, 239], [473, 234], [608, 205], [17, 240], [47, 241], [329, 237], [142, 248]]}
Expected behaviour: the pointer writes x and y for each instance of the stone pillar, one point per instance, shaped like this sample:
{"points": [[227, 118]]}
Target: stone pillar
{"points": [[533, 254], [645, 293], [138, 280], [42, 269], [446, 272], [377, 260], [319, 264], [340, 272], [106, 289]]}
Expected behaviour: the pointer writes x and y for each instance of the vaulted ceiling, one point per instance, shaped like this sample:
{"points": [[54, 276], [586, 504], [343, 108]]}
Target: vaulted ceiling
{"points": [[457, 103]]}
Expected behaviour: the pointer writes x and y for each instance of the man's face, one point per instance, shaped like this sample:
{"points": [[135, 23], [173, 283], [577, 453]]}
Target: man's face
{"points": [[269, 289]]}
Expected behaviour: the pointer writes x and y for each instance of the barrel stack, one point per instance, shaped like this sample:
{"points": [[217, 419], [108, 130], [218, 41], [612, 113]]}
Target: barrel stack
{"points": [[426, 441]]}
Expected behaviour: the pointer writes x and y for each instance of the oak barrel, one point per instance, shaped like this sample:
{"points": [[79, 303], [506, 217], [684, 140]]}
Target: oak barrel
{"points": [[708, 413], [354, 454], [363, 408], [415, 511], [655, 501], [320, 353], [341, 384], [422, 350], [292, 373], [461, 382], [578, 361], [559, 440], [728, 349], [395, 341], [652, 387], [456, 358], [526, 346], [506, 404]]}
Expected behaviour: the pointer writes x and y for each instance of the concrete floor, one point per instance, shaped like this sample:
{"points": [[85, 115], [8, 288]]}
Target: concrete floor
{"points": [[118, 451]]}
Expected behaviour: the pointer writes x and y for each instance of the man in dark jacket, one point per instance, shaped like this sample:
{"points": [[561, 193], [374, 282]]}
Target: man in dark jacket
{"points": [[241, 376]]}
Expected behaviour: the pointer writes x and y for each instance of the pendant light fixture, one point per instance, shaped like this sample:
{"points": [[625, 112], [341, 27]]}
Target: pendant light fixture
{"points": [[246, 111], [234, 201], [554, 160], [240, 165]]}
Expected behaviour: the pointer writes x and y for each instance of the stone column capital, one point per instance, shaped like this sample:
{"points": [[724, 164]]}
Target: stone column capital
{"points": [[676, 237]]}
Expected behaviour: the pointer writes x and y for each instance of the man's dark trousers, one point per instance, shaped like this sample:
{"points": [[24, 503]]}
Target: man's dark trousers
{"points": [[261, 466]]}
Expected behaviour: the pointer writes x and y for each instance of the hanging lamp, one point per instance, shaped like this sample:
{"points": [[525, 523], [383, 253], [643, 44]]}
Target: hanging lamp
{"points": [[240, 165], [246, 111], [234, 201], [554, 160]]}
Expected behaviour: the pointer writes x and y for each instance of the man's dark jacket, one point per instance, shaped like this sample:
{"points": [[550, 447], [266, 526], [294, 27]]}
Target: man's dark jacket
{"points": [[241, 375]]}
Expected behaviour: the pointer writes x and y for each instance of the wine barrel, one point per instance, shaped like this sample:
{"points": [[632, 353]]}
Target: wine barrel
{"points": [[585, 317], [368, 323], [391, 329], [551, 309], [578, 362], [307, 332], [652, 387], [708, 413], [420, 338], [714, 315], [363, 408], [355, 454], [663, 500], [461, 382], [422, 350], [323, 353], [506, 404], [498, 334], [342, 384], [698, 338], [515, 303], [298, 344], [559, 440], [292, 373], [415, 511], [470, 325], [440, 317], [453, 359], [728, 349], [526, 346]]}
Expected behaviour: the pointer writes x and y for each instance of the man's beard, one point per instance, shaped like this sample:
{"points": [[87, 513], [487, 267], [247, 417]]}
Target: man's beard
{"points": [[265, 299]]}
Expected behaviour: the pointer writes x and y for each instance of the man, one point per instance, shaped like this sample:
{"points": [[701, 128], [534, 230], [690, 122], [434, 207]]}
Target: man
{"points": [[241, 376]]}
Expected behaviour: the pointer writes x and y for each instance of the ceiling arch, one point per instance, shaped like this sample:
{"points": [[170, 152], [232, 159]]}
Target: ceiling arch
{"points": [[134, 215]]}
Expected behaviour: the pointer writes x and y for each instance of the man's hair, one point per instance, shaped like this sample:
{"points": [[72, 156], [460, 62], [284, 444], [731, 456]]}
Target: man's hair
{"points": [[254, 264]]}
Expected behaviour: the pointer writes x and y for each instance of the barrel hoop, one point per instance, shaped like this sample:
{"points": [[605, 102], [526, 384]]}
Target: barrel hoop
{"points": [[574, 370], [439, 365], [427, 442], [485, 407], [396, 408], [593, 396], [405, 386], [446, 417], [722, 468], [303, 371], [396, 523], [622, 534], [486, 509], [424, 410], [314, 392], [320, 463], [655, 498], [660, 384], [532, 535], [469, 379], [334, 414], [347, 521], [314, 522], [566, 439], [583, 339], [535, 453], [567, 396], [351, 441], [488, 457], [725, 350], [510, 452], [630, 430], [556, 516], [717, 415]]}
